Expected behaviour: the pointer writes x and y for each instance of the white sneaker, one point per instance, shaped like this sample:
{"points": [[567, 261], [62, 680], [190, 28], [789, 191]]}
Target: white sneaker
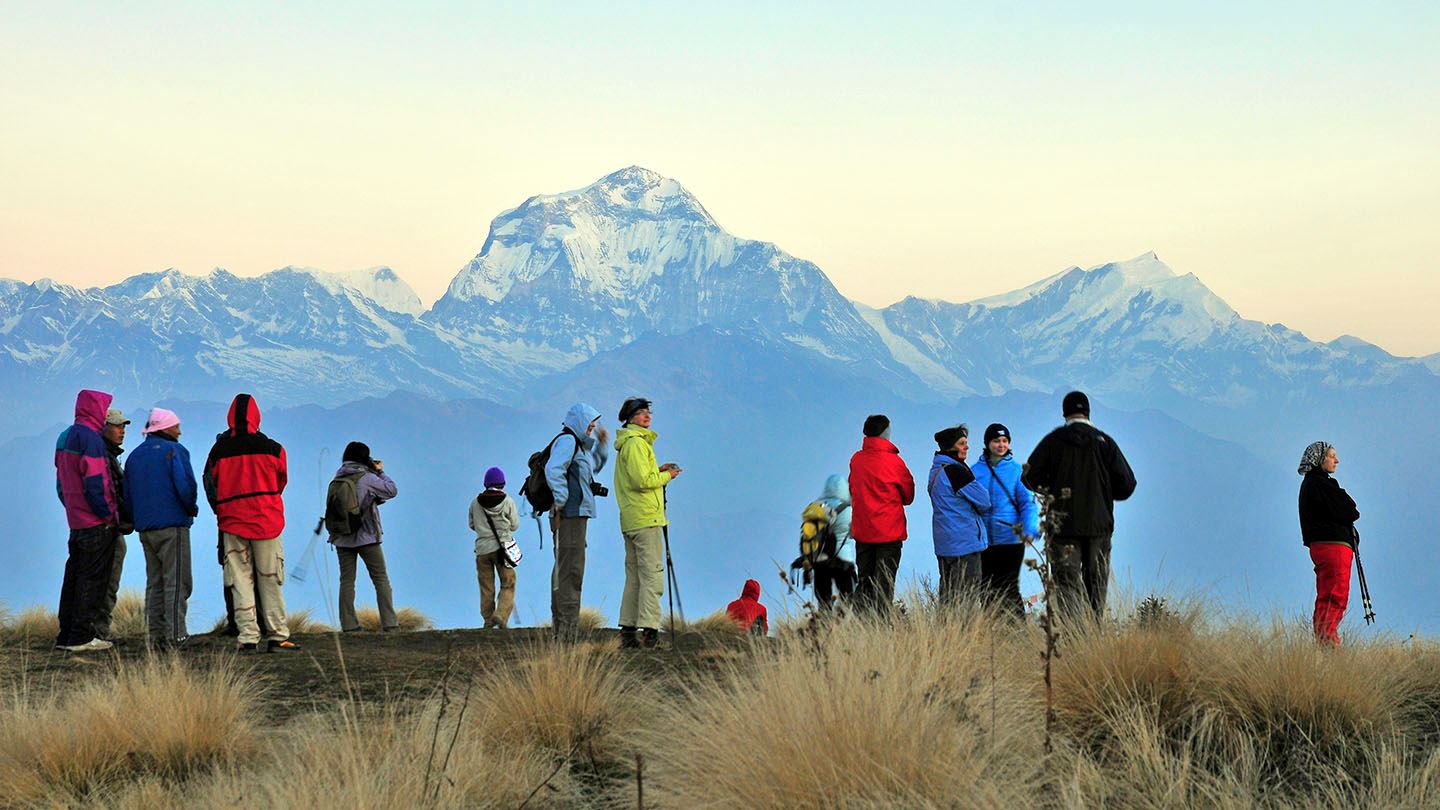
{"points": [[92, 644]]}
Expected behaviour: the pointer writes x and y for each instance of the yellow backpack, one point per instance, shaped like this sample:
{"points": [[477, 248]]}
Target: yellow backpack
{"points": [[817, 539]]}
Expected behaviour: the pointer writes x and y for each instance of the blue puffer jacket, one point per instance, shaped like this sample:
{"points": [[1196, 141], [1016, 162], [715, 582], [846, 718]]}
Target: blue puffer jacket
{"points": [[1002, 484], [959, 503], [160, 484], [836, 497], [569, 472]]}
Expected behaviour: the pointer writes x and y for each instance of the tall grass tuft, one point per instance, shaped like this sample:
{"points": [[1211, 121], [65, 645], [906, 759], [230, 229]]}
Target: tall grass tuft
{"points": [[409, 619], [592, 619], [857, 714], [569, 700], [159, 718], [128, 617], [31, 626]]}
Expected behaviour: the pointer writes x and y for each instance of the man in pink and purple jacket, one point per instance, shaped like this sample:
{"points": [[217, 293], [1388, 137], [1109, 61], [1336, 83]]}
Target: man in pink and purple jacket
{"points": [[83, 482]]}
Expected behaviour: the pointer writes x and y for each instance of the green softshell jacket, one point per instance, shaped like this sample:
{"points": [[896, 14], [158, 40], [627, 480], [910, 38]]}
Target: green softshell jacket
{"points": [[639, 483]]}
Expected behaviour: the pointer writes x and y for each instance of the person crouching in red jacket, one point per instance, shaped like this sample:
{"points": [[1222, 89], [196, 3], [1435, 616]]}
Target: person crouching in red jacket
{"points": [[880, 488], [748, 612], [245, 475]]}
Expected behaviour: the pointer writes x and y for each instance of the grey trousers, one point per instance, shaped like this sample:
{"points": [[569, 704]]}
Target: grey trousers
{"points": [[167, 582], [1081, 568], [959, 576], [568, 576], [375, 564], [106, 608]]}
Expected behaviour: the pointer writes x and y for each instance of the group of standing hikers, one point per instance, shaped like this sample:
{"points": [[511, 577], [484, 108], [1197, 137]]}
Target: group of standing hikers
{"points": [[982, 512]]}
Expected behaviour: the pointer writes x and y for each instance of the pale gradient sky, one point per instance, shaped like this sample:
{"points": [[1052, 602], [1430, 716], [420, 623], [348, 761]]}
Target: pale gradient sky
{"points": [[1286, 155]]}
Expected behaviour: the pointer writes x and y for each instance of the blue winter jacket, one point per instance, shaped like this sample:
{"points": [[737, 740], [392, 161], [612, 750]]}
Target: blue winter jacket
{"points": [[958, 525], [1002, 484], [570, 471], [160, 484], [836, 497]]}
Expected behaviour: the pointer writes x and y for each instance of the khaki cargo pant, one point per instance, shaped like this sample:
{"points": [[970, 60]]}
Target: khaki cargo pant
{"points": [[487, 568], [644, 577], [252, 565]]}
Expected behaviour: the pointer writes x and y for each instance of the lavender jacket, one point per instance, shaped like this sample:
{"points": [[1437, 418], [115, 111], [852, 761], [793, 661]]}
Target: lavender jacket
{"points": [[374, 488]]}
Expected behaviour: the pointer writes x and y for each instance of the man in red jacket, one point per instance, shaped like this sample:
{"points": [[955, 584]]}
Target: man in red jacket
{"points": [[244, 478], [880, 488]]}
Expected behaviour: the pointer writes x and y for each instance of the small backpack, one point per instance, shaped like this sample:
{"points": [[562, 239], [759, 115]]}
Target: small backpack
{"points": [[342, 505], [817, 536], [536, 488]]}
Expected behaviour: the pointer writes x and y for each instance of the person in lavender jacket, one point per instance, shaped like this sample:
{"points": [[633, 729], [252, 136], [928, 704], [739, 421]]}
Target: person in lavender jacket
{"points": [[373, 487]]}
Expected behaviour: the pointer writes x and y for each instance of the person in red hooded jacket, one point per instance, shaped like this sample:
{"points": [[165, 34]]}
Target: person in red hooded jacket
{"points": [[880, 488], [245, 475], [747, 610]]}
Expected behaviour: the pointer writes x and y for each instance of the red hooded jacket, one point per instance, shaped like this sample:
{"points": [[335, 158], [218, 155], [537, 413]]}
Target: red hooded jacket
{"points": [[880, 488], [747, 609], [245, 475]]}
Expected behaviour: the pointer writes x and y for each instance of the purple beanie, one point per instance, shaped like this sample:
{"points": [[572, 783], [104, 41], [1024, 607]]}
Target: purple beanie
{"points": [[494, 478]]}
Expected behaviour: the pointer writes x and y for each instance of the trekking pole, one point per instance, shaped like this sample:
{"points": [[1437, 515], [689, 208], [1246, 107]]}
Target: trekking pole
{"points": [[1364, 590], [673, 586], [672, 581]]}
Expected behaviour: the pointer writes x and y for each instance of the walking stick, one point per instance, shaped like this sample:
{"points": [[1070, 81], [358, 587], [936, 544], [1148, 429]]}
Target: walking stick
{"points": [[1364, 590]]}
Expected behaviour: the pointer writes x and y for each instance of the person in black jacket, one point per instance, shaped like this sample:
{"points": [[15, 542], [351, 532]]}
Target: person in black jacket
{"points": [[1085, 471], [1327, 528]]}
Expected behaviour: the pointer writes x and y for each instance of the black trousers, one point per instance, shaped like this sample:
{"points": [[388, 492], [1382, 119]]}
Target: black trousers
{"points": [[1081, 566], [877, 564], [1000, 569], [829, 579], [959, 577], [87, 579]]}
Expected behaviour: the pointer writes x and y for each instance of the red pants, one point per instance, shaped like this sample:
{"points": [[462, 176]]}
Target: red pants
{"points": [[1332, 588]]}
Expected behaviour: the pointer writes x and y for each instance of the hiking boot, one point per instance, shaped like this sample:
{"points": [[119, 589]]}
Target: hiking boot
{"points": [[92, 645], [628, 641], [283, 646], [650, 638], [248, 649]]}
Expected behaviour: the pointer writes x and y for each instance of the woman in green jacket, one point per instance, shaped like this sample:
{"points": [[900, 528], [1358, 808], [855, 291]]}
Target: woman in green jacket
{"points": [[640, 492]]}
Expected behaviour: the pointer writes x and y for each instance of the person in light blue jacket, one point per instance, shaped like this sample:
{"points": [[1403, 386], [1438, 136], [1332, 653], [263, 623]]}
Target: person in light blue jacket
{"points": [[835, 497], [576, 456], [1012, 506], [958, 524]]}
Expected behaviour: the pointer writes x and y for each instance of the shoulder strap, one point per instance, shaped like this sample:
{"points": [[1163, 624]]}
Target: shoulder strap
{"points": [[1014, 501], [486, 513]]}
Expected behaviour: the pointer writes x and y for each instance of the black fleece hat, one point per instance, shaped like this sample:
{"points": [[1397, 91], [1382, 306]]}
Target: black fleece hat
{"points": [[947, 437], [358, 452], [632, 405], [1075, 402], [876, 424], [995, 431]]}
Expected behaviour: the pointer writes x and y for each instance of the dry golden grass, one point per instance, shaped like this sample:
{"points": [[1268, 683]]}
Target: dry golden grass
{"points": [[157, 719], [856, 714], [409, 619], [717, 623], [565, 698], [592, 619], [33, 625], [932, 709], [128, 617], [304, 621]]}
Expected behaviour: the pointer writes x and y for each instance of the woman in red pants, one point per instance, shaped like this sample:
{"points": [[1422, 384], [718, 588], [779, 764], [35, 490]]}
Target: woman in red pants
{"points": [[1327, 527]]}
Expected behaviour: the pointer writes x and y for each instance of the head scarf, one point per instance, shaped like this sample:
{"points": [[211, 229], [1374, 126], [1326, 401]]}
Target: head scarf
{"points": [[1314, 454]]}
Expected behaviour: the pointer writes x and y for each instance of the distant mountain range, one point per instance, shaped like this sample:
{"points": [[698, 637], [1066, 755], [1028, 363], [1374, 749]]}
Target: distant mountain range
{"points": [[564, 277], [760, 367]]}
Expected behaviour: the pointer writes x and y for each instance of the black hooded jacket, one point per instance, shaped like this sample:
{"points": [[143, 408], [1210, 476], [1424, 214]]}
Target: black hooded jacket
{"points": [[1086, 472], [1327, 512]]}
